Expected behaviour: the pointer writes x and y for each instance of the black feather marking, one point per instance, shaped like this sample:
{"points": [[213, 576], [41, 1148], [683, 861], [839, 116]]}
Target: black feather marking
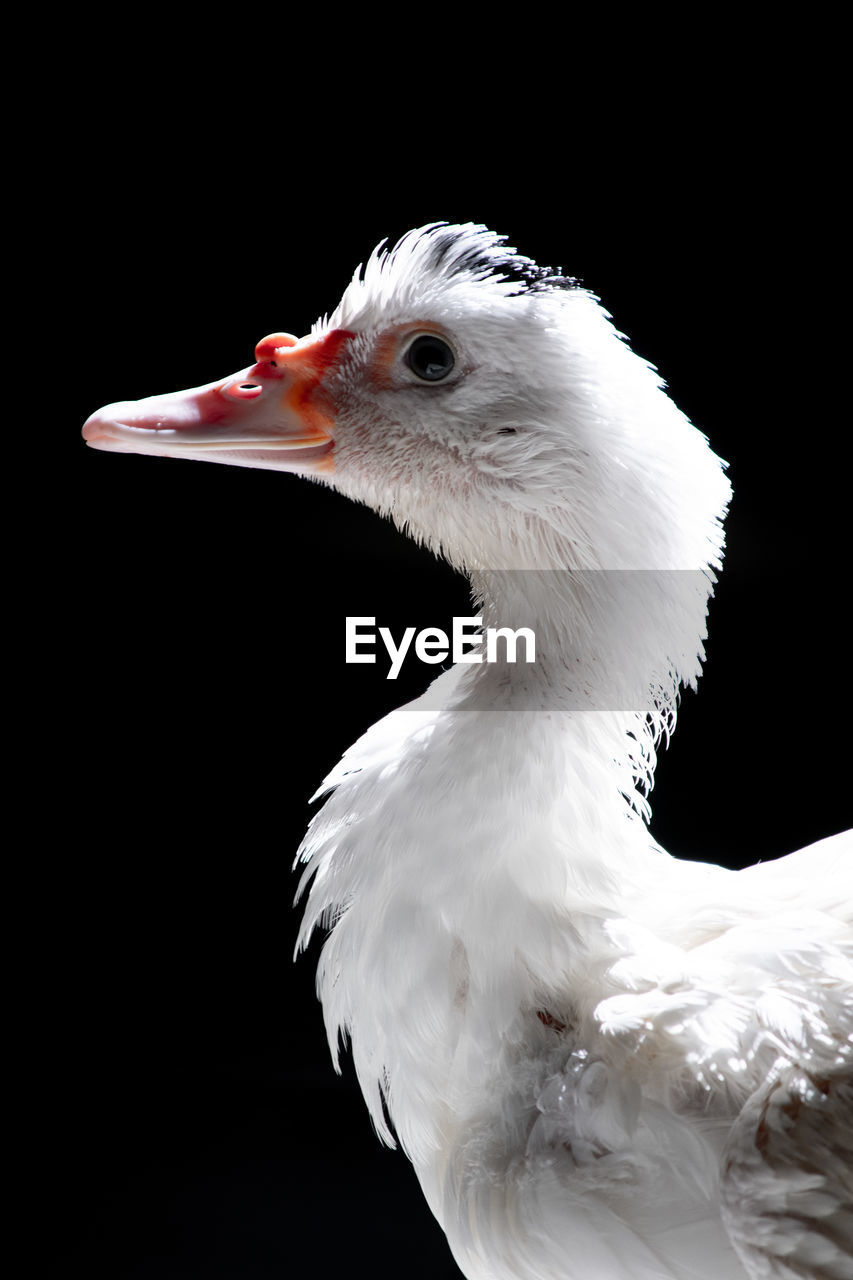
{"points": [[483, 257]]}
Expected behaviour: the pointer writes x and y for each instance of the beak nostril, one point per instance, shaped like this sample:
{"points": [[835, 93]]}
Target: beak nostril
{"points": [[244, 390]]}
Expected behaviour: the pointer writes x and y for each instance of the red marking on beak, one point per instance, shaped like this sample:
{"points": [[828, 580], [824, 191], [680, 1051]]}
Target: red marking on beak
{"points": [[268, 347]]}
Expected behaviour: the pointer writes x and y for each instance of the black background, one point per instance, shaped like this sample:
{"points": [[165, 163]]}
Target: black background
{"points": [[183, 627]]}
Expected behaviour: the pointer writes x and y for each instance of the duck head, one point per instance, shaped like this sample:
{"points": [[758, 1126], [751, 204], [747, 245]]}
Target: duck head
{"points": [[485, 404]]}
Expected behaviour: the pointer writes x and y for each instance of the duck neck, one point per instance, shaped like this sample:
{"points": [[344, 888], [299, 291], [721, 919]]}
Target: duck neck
{"points": [[605, 639], [612, 648]]}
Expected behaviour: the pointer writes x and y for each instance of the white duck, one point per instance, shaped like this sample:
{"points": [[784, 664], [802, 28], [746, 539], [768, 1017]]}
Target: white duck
{"points": [[602, 1061]]}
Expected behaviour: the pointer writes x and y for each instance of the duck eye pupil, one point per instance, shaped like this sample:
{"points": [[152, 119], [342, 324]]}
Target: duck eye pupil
{"points": [[430, 358]]}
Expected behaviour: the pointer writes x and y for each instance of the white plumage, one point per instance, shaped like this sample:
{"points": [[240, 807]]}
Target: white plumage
{"points": [[602, 1061]]}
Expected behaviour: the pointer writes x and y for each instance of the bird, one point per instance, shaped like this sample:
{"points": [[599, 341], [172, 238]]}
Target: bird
{"points": [[602, 1060]]}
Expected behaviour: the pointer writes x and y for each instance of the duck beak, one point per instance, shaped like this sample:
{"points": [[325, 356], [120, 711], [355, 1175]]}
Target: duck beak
{"points": [[276, 414]]}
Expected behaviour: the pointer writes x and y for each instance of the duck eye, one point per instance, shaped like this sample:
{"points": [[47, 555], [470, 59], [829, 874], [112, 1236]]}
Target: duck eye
{"points": [[430, 358]]}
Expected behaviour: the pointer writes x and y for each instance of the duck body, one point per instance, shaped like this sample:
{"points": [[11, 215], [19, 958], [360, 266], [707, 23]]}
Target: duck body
{"points": [[605, 1121], [602, 1061]]}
